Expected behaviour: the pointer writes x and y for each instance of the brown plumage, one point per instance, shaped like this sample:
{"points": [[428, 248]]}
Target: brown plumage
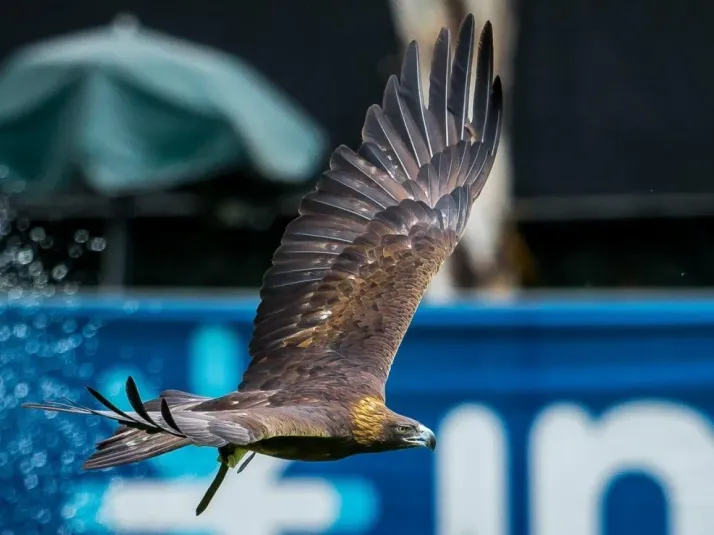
{"points": [[344, 284]]}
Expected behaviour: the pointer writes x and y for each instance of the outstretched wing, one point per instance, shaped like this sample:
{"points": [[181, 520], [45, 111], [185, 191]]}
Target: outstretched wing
{"points": [[353, 267]]}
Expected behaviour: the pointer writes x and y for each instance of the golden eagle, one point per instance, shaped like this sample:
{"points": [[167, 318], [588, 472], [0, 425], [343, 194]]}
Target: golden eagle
{"points": [[344, 283]]}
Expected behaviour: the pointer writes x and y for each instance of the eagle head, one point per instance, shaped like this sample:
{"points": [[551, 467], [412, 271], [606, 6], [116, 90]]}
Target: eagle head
{"points": [[401, 432], [377, 428]]}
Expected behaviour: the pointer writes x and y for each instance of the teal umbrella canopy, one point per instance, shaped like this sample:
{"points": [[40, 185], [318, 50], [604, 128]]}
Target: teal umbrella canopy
{"points": [[131, 109]]}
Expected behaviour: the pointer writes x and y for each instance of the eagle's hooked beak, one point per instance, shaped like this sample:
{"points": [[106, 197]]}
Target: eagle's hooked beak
{"points": [[426, 437]]}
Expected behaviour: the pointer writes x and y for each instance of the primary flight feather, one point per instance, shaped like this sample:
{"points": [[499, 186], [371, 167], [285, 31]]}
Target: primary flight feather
{"points": [[344, 283]]}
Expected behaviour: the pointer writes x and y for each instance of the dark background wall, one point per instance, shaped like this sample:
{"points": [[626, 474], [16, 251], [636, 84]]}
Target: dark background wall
{"points": [[612, 111], [614, 98]]}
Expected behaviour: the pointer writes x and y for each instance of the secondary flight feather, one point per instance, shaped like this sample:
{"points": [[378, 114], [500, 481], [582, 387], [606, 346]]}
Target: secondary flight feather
{"points": [[344, 283]]}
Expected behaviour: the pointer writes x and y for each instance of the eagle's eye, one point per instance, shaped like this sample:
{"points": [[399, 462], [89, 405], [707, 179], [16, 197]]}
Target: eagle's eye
{"points": [[402, 429]]}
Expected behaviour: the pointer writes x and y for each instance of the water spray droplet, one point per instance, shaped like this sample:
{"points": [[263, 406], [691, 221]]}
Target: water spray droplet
{"points": [[38, 234], [25, 256], [81, 236], [97, 244], [74, 250], [59, 272]]}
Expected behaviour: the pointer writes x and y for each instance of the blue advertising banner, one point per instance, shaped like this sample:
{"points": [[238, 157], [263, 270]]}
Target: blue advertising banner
{"points": [[552, 418]]}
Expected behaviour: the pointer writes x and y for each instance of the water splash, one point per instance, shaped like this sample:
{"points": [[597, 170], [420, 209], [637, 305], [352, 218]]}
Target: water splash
{"points": [[34, 265], [41, 356]]}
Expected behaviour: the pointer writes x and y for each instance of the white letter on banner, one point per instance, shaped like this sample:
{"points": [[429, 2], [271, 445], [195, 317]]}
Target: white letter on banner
{"points": [[574, 458], [258, 502], [471, 472]]}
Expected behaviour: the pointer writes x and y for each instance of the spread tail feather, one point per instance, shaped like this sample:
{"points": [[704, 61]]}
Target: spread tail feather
{"points": [[129, 445], [149, 430]]}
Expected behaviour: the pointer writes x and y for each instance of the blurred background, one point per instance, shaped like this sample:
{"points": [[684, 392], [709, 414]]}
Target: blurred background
{"points": [[151, 154]]}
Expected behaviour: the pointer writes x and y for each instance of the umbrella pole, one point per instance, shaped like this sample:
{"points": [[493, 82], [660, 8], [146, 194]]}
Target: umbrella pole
{"points": [[116, 259]]}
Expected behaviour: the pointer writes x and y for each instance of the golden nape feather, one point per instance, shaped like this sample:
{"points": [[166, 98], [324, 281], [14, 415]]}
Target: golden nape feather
{"points": [[368, 416], [344, 284]]}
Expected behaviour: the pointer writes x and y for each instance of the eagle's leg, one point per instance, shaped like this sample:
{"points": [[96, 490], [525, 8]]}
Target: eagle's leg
{"points": [[220, 476], [246, 462], [228, 457]]}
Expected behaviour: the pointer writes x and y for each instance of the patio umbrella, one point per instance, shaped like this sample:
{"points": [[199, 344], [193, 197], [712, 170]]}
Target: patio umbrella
{"points": [[130, 109]]}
